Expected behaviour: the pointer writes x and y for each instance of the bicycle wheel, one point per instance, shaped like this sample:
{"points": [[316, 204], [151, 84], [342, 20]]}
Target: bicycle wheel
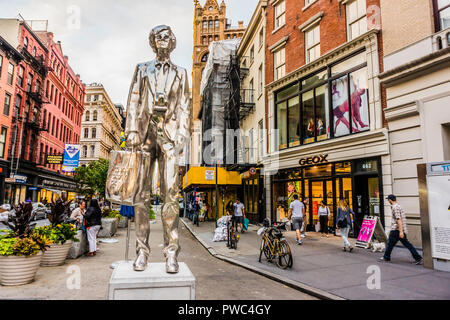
{"points": [[284, 255], [235, 240]]}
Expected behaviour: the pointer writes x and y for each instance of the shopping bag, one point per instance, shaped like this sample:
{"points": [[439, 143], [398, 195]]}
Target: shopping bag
{"points": [[246, 222], [125, 169], [317, 226]]}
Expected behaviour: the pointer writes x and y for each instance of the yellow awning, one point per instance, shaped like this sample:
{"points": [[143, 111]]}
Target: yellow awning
{"points": [[206, 176]]}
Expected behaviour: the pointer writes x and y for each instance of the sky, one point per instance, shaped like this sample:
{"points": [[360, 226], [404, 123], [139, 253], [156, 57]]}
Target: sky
{"points": [[105, 39]]}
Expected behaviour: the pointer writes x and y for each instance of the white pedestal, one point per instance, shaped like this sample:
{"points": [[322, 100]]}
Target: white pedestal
{"points": [[152, 284]]}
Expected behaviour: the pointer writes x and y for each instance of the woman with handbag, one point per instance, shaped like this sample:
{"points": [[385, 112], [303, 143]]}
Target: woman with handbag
{"points": [[344, 221], [93, 218]]}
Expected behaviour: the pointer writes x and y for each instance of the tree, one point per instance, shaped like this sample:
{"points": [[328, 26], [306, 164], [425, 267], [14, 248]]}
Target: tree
{"points": [[91, 179]]}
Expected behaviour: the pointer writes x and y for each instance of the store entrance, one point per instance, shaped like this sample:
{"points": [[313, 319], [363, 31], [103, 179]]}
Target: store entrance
{"points": [[367, 198], [319, 190]]}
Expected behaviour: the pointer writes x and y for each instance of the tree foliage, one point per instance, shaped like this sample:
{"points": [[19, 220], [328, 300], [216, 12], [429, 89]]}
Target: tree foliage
{"points": [[91, 179]]}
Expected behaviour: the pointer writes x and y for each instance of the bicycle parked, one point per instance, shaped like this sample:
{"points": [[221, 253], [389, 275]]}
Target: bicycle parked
{"points": [[232, 236], [274, 246]]}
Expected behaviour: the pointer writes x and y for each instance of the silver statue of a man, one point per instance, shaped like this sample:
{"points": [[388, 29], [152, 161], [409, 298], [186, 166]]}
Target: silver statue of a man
{"points": [[158, 111]]}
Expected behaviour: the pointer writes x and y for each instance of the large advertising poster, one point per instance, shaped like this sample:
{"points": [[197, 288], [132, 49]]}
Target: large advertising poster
{"points": [[71, 157], [439, 212], [367, 229]]}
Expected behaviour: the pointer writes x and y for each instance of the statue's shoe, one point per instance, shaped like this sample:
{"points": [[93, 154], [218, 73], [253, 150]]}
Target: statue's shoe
{"points": [[171, 263], [140, 264]]}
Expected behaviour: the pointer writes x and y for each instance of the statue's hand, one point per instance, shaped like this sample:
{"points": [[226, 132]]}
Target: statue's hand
{"points": [[133, 139]]}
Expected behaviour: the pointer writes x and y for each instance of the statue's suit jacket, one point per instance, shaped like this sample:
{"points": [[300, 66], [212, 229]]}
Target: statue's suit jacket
{"points": [[142, 96]]}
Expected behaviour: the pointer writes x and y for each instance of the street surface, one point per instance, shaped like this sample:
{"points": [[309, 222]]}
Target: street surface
{"points": [[216, 279]]}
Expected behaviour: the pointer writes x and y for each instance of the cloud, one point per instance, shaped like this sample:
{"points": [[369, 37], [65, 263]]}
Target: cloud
{"points": [[112, 37]]}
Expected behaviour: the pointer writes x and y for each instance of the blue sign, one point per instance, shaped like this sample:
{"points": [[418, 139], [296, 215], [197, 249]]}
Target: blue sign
{"points": [[32, 188], [71, 157]]}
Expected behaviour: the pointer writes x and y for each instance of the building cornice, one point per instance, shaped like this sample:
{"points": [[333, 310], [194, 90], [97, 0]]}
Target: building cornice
{"points": [[279, 44], [326, 59], [258, 16], [311, 22]]}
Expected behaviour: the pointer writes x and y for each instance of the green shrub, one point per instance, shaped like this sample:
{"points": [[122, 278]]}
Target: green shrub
{"points": [[152, 214], [59, 233], [19, 247]]}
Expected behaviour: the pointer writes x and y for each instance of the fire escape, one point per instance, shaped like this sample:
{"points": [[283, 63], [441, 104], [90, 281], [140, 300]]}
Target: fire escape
{"points": [[240, 104], [27, 124]]}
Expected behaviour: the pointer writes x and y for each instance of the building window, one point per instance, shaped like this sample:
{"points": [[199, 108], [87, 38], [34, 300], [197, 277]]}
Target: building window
{"points": [[279, 63], [261, 37], [204, 40], [20, 76], [251, 146], [356, 18], [3, 142], [94, 133], [88, 114], [29, 82], [441, 14], [216, 24], [260, 79], [10, 73], [210, 24], [17, 106], [209, 39], [216, 38], [86, 133], [92, 151], [7, 104], [261, 139], [303, 111], [94, 116], [252, 91], [280, 14], [37, 89], [205, 24], [25, 43], [312, 37], [1, 64], [252, 54], [309, 2], [34, 51], [95, 97]]}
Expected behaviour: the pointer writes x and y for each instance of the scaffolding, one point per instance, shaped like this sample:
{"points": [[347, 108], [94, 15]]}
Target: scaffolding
{"points": [[216, 92]]}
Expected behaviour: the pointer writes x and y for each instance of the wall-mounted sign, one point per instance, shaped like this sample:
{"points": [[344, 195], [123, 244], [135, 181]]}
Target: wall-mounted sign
{"points": [[71, 157], [314, 160], [54, 159], [209, 174], [16, 178], [32, 188]]}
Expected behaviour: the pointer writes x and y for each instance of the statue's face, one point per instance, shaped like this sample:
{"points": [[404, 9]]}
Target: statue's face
{"points": [[162, 40]]}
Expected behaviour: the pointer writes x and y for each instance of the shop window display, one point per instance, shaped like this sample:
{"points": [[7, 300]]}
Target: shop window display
{"points": [[294, 122], [282, 125], [359, 101], [322, 113], [308, 117], [340, 107]]}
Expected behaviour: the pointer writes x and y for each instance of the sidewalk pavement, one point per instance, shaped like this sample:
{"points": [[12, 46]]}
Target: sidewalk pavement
{"points": [[322, 269]]}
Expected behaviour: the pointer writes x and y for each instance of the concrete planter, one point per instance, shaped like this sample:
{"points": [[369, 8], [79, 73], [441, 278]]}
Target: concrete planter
{"points": [[109, 227], [123, 222], [19, 270], [77, 249], [56, 254]]}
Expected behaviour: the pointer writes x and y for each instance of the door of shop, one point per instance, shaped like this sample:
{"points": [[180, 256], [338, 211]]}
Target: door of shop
{"points": [[367, 198]]}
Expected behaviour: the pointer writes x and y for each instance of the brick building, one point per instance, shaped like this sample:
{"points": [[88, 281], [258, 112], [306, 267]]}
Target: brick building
{"points": [[327, 138], [48, 104], [9, 61]]}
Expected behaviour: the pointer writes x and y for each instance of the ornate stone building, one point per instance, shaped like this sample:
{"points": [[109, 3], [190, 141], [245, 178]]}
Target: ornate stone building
{"points": [[210, 24], [101, 125]]}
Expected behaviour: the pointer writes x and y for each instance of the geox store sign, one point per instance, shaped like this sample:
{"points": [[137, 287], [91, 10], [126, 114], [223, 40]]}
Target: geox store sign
{"points": [[314, 160]]}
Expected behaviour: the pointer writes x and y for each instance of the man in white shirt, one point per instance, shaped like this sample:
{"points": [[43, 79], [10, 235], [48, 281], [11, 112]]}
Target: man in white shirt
{"points": [[239, 214], [297, 212]]}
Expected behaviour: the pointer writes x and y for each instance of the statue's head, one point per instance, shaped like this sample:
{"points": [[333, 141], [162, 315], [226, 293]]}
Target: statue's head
{"points": [[162, 38]]}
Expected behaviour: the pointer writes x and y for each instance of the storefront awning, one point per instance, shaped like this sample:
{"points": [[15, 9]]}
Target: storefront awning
{"points": [[205, 176]]}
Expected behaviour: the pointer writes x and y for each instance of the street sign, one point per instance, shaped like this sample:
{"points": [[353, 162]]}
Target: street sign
{"points": [[209, 174]]}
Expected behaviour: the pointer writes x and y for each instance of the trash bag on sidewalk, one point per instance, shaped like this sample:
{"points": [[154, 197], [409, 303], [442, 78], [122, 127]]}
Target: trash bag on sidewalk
{"points": [[220, 234]]}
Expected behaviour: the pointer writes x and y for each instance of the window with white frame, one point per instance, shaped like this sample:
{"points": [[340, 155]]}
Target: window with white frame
{"points": [[280, 14], [252, 54], [356, 18], [279, 64], [312, 37], [309, 2]]}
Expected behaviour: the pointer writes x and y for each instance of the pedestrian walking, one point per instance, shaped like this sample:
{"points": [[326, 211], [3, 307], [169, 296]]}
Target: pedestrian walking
{"points": [[324, 216], [93, 218], [230, 208], [398, 232], [305, 218], [296, 213], [344, 221], [78, 213], [239, 214]]}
